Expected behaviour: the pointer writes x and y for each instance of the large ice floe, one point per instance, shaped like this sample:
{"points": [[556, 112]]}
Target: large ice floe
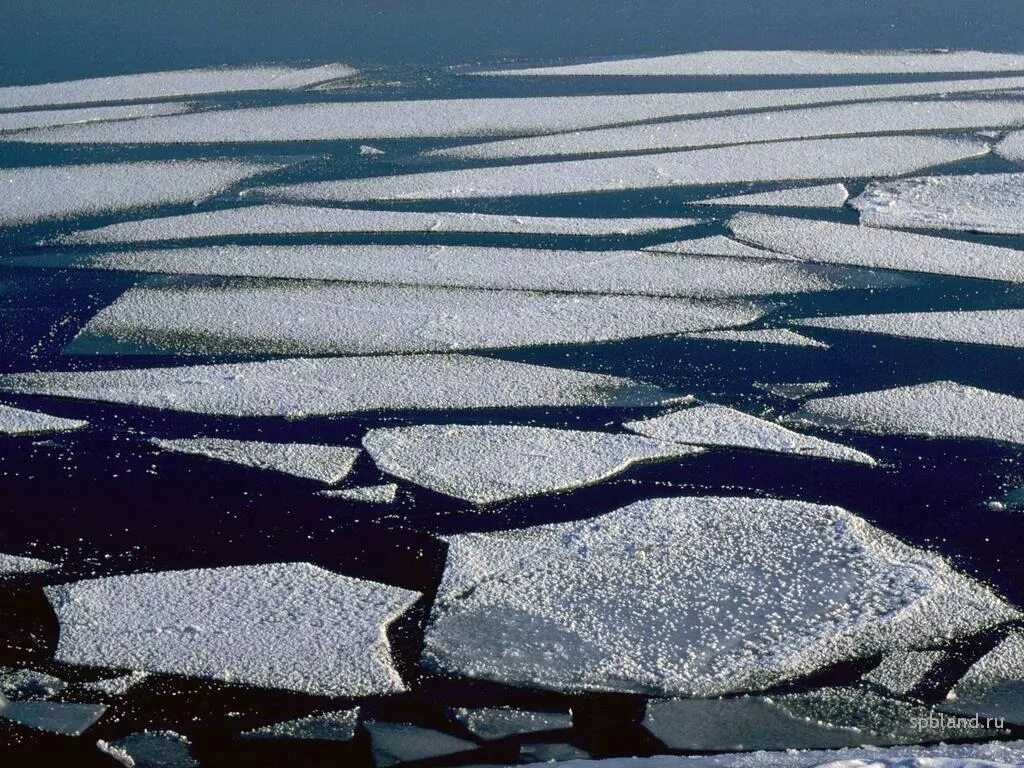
{"points": [[988, 202], [719, 425], [818, 196], [37, 194], [994, 685], [813, 122], [488, 463], [284, 625], [298, 219], [777, 161], [337, 725], [608, 272], [42, 118], [156, 85], [297, 387], [340, 318], [691, 596], [943, 409], [1012, 147], [999, 327], [324, 463], [16, 421], [833, 243]]}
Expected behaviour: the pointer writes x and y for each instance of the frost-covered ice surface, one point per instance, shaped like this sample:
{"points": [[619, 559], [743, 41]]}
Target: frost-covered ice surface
{"points": [[489, 723], [299, 219], [41, 118], [994, 685], [719, 425], [325, 463], [901, 672], [339, 725], [488, 463], [61, 191], [16, 421], [833, 243], [1000, 327], [788, 62], [669, 596], [1012, 147], [339, 318], [64, 718], [29, 684], [287, 625], [943, 409], [777, 336], [10, 564], [157, 85], [846, 119], [716, 245], [151, 749], [818, 196], [116, 686], [395, 743], [369, 494], [779, 161], [298, 387]]}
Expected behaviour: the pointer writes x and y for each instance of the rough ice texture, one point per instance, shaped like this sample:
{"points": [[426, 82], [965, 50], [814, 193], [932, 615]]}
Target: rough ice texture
{"points": [[368, 494], [395, 743], [819, 196], [151, 749], [64, 718], [789, 62], [36, 194], [776, 336], [285, 625], [987, 202], [340, 318], [490, 723], [813, 122], [15, 564], [719, 425], [156, 85], [116, 686], [297, 388], [275, 219], [488, 463], [325, 463], [901, 672], [937, 409], [779, 161], [15, 421], [29, 683], [669, 596], [1000, 327], [832, 243], [42, 118], [715, 245], [994, 685], [339, 725], [1012, 147], [609, 272]]}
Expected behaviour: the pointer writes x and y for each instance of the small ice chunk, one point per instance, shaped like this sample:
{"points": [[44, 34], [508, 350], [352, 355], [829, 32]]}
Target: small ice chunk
{"points": [[43, 118], [305, 387], [29, 684], [284, 625], [490, 723], [941, 409], [64, 718], [718, 425], [483, 464], [901, 672], [716, 245], [820, 196], [670, 597], [774, 336], [151, 749], [1012, 147], [367, 150], [339, 725], [116, 686], [62, 191], [10, 564], [15, 421], [795, 390], [999, 327], [369, 494], [551, 753], [395, 743], [994, 685], [324, 463], [832, 243]]}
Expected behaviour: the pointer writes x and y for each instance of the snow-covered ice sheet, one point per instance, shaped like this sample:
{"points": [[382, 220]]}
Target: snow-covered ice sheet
{"points": [[719, 425], [297, 387], [901, 672], [42, 118], [774, 336], [994, 685], [489, 723], [818, 196], [369, 494], [669, 597], [484, 464], [300, 318], [324, 463], [10, 564], [16, 421], [716, 245], [395, 743], [999, 327], [282, 625], [338, 725], [1012, 147]]}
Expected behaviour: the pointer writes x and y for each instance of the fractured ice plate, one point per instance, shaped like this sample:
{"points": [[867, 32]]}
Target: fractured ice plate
{"points": [[489, 723], [998, 327], [41, 118], [10, 564], [16, 421], [994, 685], [339, 725], [820, 196]]}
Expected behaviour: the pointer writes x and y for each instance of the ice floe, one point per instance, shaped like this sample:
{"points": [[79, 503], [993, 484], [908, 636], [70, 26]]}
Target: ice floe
{"points": [[15, 421], [778, 161], [943, 409], [29, 683], [999, 327], [488, 463], [669, 596], [608, 272], [994, 685], [793, 390], [35, 194], [832, 243], [716, 245], [150, 749], [339, 725], [814, 122], [1012, 147], [369, 494], [43, 118], [775, 336], [901, 672], [550, 753], [15, 564], [286, 625], [298, 388], [64, 718], [116, 686], [719, 425], [340, 318], [395, 743], [490, 723], [988, 202], [325, 463], [819, 196], [156, 85], [298, 219]]}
